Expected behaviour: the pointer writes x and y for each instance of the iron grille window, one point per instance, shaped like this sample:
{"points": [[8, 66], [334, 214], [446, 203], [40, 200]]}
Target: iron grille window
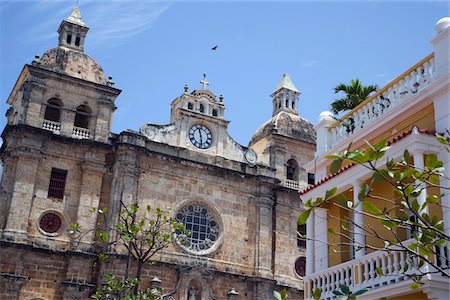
{"points": [[57, 183], [301, 241]]}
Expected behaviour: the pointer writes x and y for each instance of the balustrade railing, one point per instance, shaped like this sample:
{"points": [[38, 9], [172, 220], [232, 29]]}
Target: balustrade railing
{"points": [[374, 271], [396, 92], [81, 133], [292, 184], [55, 127]]}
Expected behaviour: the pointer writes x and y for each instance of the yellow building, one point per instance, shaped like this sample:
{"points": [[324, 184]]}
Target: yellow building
{"points": [[406, 113]]}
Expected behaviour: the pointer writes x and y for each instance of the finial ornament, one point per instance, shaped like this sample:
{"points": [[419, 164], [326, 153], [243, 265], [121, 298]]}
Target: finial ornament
{"points": [[75, 16], [221, 99], [186, 88], [204, 83]]}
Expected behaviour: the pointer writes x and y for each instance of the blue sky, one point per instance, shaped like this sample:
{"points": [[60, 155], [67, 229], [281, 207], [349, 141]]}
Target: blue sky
{"points": [[152, 49]]}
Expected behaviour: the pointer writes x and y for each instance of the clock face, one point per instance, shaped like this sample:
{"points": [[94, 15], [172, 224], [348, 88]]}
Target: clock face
{"points": [[250, 156], [200, 136]]}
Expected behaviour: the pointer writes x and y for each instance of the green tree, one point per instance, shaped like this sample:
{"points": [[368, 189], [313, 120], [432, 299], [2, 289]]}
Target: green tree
{"points": [[140, 233], [409, 182], [355, 93]]}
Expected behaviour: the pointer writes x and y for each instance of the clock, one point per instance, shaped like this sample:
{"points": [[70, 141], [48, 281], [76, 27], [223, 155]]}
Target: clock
{"points": [[250, 156], [200, 136]]}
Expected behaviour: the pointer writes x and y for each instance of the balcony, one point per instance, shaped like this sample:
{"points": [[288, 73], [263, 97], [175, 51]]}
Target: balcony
{"points": [[398, 91], [52, 126], [80, 133], [362, 273], [291, 184]]}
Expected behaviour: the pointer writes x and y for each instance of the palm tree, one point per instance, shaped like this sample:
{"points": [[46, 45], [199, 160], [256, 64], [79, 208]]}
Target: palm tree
{"points": [[355, 93]]}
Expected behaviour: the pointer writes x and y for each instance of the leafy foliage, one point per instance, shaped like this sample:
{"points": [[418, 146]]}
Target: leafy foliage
{"points": [[141, 233], [355, 93], [280, 295], [124, 289], [405, 212]]}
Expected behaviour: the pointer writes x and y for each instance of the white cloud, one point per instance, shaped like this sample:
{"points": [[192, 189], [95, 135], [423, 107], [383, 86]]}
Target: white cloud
{"points": [[111, 22]]}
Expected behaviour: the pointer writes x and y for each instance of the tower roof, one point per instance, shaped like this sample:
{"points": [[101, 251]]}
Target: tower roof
{"points": [[286, 83], [75, 17]]}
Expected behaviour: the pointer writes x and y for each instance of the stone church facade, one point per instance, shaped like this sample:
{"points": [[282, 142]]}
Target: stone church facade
{"points": [[61, 162]]}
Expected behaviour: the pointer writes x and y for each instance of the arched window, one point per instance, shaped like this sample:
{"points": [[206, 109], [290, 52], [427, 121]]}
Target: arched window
{"points": [[82, 116], [202, 108], [53, 110], [69, 39], [190, 105], [77, 41], [292, 170]]}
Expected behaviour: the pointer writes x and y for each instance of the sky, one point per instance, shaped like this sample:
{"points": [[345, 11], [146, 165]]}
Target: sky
{"points": [[152, 49]]}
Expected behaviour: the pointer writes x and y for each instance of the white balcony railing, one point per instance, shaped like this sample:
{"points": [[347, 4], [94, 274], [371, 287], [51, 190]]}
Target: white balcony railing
{"points": [[396, 92], [55, 127], [291, 184], [362, 273], [80, 133]]}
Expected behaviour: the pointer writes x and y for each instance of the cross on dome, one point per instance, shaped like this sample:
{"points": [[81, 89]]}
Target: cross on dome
{"points": [[204, 83]]}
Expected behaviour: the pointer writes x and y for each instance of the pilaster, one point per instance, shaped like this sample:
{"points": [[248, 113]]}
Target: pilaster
{"points": [[264, 231], [22, 196]]}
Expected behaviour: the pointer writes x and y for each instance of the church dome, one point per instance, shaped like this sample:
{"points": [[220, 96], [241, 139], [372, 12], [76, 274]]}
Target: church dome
{"points": [[73, 63], [286, 124]]}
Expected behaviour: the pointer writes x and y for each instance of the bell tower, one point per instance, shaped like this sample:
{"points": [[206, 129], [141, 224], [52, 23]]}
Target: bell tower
{"points": [[285, 97], [72, 31]]}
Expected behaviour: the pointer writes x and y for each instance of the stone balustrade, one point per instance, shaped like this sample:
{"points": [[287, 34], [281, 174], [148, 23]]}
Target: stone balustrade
{"points": [[396, 92], [362, 272], [291, 184], [80, 133], [52, 126]]}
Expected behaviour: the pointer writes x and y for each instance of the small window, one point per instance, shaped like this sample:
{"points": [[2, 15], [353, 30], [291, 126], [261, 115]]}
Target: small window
{"points": [[82, 117], [301, 233], [311, 178], [215, 112], [77, 41], [190, 105], [292, 170], [287, 103], [202, 108], [69, 39], [57, 183]]}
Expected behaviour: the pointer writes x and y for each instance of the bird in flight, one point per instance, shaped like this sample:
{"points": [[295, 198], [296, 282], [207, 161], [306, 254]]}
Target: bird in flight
{"points": [[215, 47]]}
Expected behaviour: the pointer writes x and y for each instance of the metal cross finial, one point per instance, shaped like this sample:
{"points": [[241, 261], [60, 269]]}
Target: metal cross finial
{"points": [[204, 82]]}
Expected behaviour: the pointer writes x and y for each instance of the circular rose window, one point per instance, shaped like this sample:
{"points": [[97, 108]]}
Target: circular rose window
{"points": [[50, 222], [203, 229], [300, 266]]}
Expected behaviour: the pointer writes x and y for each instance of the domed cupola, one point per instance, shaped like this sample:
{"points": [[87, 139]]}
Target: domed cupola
{"points": [[285, 119], [69, 57]]}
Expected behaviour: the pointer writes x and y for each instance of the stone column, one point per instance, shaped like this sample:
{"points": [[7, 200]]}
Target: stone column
{"points": [[321, 236], [90, 190], [67, 120], [124, 185], [22, 195], [358, 218], [310, 245], [264, 207]]}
